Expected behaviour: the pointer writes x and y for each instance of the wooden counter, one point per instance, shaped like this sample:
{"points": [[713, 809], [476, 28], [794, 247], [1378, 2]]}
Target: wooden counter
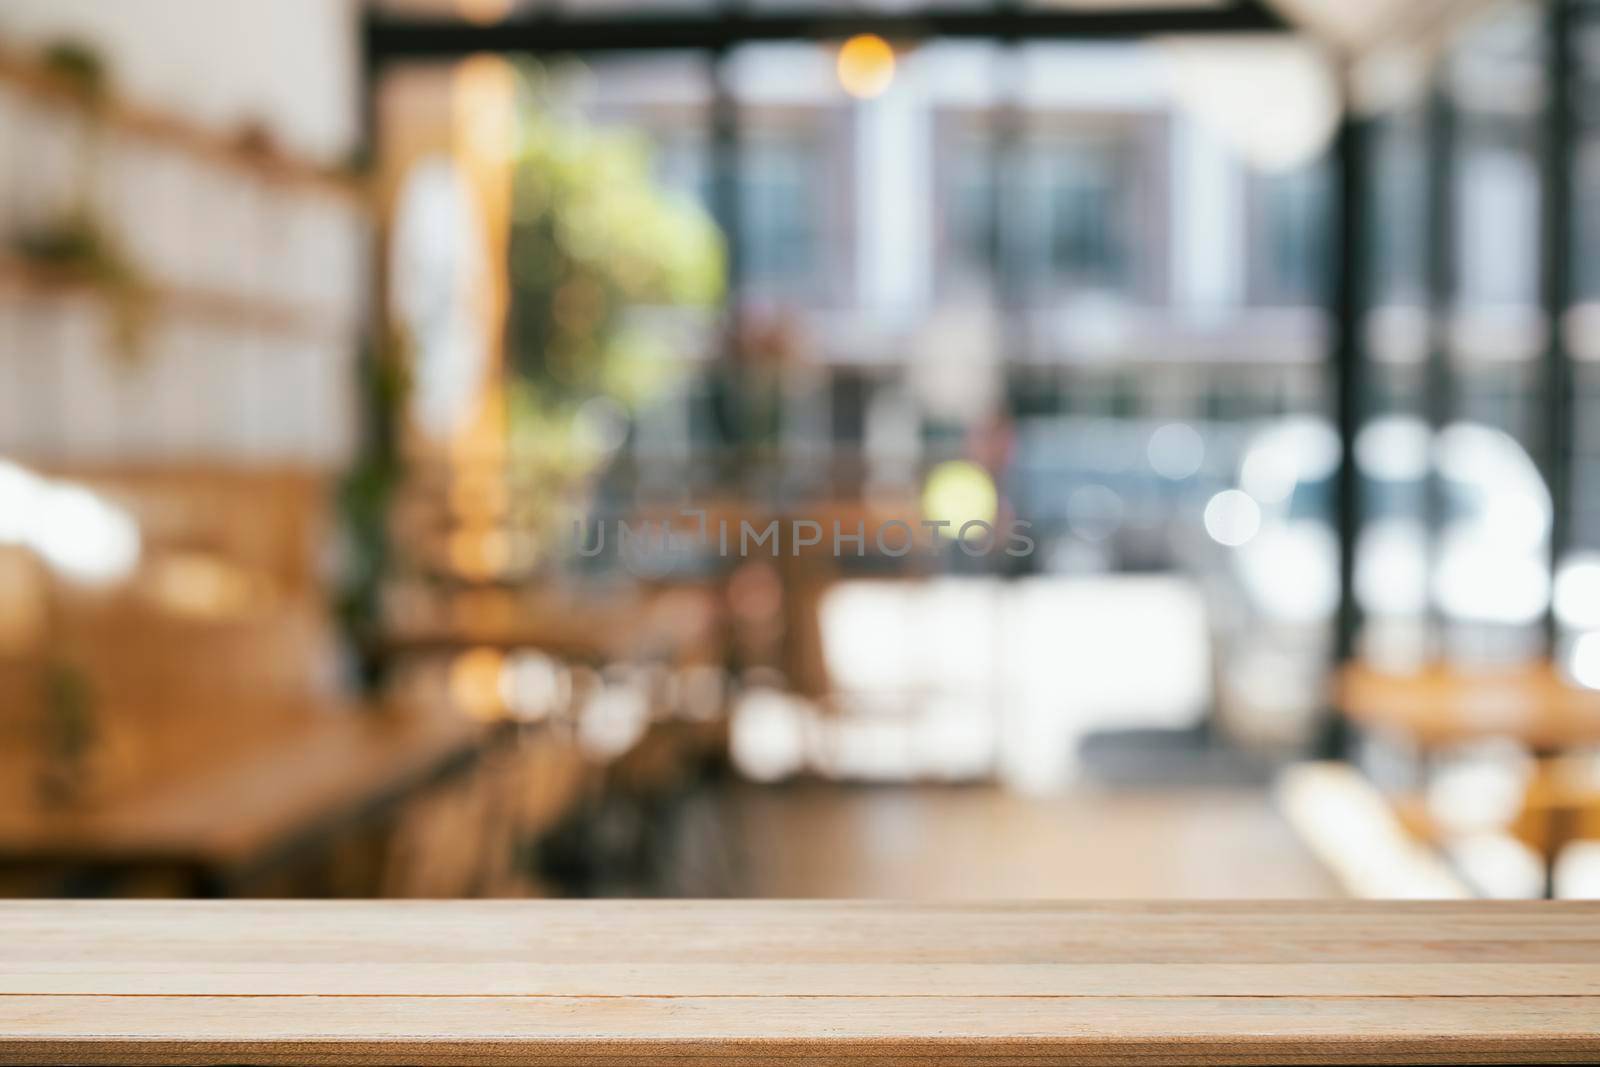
{"points": [[890, 984]]}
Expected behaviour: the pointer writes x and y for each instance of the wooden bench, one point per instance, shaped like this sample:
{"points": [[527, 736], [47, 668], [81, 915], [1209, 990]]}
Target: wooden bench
{"points": [[743, 983]]}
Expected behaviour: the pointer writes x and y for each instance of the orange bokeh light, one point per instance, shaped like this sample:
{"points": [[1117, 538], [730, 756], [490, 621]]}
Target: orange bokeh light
{"points": [[866, 66]]}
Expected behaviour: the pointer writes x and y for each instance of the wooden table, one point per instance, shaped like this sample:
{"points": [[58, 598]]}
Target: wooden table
{"points": [[222, 816], [738, 983], [1443, 706]]}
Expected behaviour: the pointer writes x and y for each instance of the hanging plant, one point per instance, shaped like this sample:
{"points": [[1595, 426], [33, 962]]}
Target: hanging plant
{"points": [[365, 498], [79, 69], [70, 733], [77, 247]]}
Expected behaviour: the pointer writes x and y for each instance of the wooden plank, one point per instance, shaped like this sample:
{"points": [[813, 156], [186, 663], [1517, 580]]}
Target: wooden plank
{"points": [[370, 979], [311, 935], [798, 982], [644, 1030]]}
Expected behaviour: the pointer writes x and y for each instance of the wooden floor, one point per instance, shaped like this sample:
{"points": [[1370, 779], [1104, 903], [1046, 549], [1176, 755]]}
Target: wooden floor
{"points": [[651, 984], [929, 843]]}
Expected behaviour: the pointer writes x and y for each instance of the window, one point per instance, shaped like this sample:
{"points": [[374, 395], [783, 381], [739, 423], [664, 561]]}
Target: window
{"points": [[969, 199], [1290, 245], [1398, 233], [1087, 228], [1069, 190], [780, 236], [1073, 223]]}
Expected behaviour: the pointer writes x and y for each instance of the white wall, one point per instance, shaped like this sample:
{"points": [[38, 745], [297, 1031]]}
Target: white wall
{"points": [[259, 285], [288, 64]]}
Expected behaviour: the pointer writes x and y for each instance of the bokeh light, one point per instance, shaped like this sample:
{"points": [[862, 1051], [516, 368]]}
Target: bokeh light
{"points": [[959, 492], [1233, 518], [866, 66]]}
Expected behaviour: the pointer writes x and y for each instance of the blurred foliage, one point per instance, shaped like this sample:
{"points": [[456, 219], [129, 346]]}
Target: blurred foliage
{"points": [[79, 67], [594, 238], [364, 499], [77, 245], [70, 731], [79, 248]]}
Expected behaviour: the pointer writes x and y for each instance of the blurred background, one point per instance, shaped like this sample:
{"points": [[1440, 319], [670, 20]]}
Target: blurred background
{"points": [[1002, 448]]}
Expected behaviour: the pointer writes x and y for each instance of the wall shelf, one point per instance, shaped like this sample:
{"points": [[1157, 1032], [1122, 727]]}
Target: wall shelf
{"points": [[30, 280], [262, 162]]}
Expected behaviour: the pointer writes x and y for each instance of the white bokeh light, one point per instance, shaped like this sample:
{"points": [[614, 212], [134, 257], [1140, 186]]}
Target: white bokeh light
{"points": [[1584, 661], [1233, 518], [1577, 593], [77, 533], [1176, 451]]}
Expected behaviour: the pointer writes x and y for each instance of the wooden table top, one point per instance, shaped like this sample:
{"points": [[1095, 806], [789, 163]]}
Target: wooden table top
{"points": [[764, 983], [1442, 705], [229, 806]]}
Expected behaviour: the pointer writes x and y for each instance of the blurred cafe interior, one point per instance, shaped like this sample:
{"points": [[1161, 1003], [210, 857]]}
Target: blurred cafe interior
{"points": [[800, 448]]}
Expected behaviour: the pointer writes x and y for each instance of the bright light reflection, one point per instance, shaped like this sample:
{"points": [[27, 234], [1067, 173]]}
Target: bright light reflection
{"points": [[78, 534], [1578, 871], [767, 737], [1585, 661], [1475, 581], [1233, 518], [19, 503], [1578, 593]]}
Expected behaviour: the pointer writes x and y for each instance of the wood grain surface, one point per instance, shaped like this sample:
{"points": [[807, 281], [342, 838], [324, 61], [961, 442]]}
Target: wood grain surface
{"points": [[680, 983]]}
